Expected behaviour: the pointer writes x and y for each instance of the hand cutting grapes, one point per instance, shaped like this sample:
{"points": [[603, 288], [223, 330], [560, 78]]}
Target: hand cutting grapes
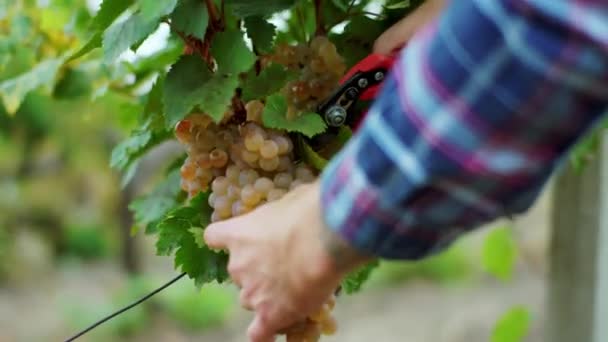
{"points": [[411, 176], [315, 139]]}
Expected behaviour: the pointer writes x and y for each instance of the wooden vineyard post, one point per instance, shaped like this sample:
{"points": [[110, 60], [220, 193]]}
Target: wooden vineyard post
{"points": [[578, 278]]}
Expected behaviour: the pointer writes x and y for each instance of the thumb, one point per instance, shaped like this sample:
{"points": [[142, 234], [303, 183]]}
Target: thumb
{"points": [[218, 235]]}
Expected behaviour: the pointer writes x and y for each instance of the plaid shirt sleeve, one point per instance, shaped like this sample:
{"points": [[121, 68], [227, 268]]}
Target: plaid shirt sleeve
{"points": [[480, 109]]}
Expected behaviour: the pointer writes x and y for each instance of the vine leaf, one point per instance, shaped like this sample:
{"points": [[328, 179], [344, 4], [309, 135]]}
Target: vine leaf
{"points": [[231, 52], [261, 32], [154, 9], [499, 253], [354, 281], [513, 326], [176, 235], [14, 90], [93, 43], [246, 8], [151, 133], [108, 12], [74, 83], [123, 35], [190, 84], [190, 17], [274, 116], [125, 152], [148, 210], [270, 80], [358, 38]]}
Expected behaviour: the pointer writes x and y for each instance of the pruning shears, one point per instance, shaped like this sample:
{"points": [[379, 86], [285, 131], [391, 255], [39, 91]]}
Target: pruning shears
{"points": [[361, 82]]}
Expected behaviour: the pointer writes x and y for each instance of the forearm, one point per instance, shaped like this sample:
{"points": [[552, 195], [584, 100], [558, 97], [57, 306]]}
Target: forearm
{"points": [[474, 118]]}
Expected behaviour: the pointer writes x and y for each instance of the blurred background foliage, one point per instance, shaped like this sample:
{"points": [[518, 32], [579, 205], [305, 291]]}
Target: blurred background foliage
{"points": [[65, 229]]}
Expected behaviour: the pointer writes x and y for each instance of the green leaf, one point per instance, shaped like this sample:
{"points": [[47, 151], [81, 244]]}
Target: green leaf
{"points": [[174, 227], [14, 90], [150, 134], [108, 12], [159, 60], [123, 35], [172, 231], [153, 207], [73, 84], [499, 253], [190, 84], [91, 45], [124, 153], [354, 281], [231, 52], [399, 5], [357, 40], [246, 8], [202, 264], [198, 236], [154, 9], [191, 18], [311, 157], [513, 326], [154, 105], [177, 233], [270, 80], [274, 116], [261, 32]]}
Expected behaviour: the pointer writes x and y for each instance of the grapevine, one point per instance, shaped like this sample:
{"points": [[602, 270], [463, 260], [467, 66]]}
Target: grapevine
{"points": [[239, 93], [236, 90], [243, 164]]}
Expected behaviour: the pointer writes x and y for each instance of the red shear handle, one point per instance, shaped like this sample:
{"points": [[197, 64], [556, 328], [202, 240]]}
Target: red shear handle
{"points": [[370, 63]]}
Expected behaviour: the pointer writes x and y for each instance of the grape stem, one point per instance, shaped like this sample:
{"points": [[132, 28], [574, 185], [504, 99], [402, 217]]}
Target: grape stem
{"points": [[320, 31], [217, 21]]}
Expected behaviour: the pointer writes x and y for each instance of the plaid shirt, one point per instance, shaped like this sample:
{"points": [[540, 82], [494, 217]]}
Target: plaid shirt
{"points": [[480, 109]]}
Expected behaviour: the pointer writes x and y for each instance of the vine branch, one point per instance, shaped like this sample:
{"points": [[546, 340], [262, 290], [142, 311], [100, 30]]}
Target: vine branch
{"points": [[320, 27], [216, 20]]}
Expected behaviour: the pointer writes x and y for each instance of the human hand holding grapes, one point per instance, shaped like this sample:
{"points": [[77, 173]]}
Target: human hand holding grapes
{"points": [[278, 260]]}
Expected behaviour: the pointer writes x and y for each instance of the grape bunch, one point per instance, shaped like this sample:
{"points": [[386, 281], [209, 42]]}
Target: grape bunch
{"points": [[317, 324], [320, 68], [245, 165]]}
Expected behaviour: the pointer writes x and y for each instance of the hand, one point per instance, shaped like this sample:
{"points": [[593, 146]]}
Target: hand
{"points": [[399, 34], [283, 259]]}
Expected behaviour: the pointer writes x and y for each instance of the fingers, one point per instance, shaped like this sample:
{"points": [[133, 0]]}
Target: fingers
{"points": [[399, 34], [260, 330], [395, 37], [219, 235]]}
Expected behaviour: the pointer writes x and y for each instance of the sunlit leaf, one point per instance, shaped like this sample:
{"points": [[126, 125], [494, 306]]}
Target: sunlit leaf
{"points": [[513, 326], [275, 116], [14, 90], [499, 253]]}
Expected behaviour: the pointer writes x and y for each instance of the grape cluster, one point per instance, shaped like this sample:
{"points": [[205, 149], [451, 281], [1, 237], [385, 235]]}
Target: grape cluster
{"points": [[320, 68], [311, 329], [245, 165]]}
